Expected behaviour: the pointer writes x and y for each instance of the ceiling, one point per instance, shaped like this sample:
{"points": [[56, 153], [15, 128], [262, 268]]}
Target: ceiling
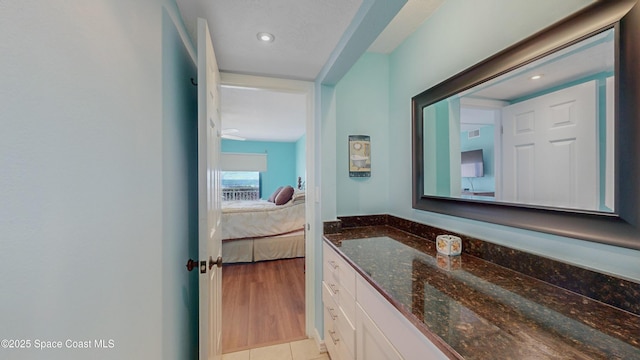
{"points": [[306, 34], [263, 115], [589, 57]]}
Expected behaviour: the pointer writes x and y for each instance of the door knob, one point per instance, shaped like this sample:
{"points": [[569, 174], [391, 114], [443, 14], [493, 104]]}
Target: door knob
{"points": [[218, 262], [191, 264]]}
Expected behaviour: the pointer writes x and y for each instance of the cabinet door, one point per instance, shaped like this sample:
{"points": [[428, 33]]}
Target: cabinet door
{"points": [[330, 337], [371, 343], [340, 277]]}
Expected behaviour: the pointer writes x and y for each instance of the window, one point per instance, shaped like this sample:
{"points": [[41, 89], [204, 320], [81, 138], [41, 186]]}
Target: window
{"points": [[240, 185]]}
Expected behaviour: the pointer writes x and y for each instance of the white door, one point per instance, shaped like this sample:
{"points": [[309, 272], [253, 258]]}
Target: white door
{"points": [[549, 152], [209, 198]]}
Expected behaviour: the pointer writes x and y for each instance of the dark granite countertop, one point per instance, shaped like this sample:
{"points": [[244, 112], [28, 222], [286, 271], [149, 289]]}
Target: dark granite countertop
{"points": [[473, 309]]}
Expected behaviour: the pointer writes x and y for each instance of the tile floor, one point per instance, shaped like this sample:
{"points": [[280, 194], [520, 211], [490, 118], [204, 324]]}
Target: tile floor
{"points": [[296, 350]]}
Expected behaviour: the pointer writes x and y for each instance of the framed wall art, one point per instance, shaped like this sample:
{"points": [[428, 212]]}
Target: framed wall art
{"points": [[359, 156]]}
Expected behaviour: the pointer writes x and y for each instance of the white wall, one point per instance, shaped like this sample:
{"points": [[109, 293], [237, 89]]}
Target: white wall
{"points": [[301, 159], [81, 191]]}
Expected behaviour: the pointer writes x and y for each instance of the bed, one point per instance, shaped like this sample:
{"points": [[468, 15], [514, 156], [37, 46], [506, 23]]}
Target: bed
{"points": [[258, 230]]}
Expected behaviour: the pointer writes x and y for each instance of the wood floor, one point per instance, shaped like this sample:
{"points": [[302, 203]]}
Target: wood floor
{"points": [[262, 304]]}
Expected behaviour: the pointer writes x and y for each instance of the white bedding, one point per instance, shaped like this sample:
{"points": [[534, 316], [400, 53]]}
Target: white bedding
{"points": [[265, 248], [251, 219]]}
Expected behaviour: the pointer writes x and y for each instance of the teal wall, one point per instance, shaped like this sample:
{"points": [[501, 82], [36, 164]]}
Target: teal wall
{"points": [[362, 109], [301, 159], [485, 142], [437, 167], [180, 188], [458, 35], [602, 138], [281, 161], [443, 168]]}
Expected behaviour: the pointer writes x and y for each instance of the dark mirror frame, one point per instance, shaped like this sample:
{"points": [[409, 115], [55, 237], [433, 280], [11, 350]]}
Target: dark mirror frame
{"points": [[621, 228]]}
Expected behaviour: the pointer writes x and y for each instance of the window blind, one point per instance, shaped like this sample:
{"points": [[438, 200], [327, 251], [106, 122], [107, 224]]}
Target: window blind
{"points": [[244, 162]]}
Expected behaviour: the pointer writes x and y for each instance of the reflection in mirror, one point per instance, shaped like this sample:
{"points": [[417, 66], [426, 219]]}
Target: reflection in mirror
{"points": [[539, 135]]}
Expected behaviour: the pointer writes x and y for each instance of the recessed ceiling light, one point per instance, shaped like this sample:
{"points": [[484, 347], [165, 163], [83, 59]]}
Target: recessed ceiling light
{"points": [[536, 77], [266, 37]]}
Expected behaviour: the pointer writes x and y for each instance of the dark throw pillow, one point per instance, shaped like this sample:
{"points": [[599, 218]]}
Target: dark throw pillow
{"points": [[272, 198], [284, 195]]}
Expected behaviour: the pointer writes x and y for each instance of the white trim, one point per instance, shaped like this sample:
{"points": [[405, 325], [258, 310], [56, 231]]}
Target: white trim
{"points": [[322, 346], [307, 88], [262, 82]]}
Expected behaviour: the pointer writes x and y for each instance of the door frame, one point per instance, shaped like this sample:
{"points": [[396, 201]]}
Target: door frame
{"points": [[306, 88], [495, 106]]}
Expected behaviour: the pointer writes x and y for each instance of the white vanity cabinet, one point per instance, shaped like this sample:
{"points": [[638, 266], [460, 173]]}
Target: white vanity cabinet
{"points": [[338, 298], [359, 323], [405, 338], [371, 342]]}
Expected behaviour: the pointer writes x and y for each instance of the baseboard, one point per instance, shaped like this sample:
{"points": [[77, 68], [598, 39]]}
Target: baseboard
{"points": [[322, 347]]}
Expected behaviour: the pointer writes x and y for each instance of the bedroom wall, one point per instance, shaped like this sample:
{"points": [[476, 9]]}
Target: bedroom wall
{"points": [[467, 32], [82, 185], [301, 159], [281, 161]]}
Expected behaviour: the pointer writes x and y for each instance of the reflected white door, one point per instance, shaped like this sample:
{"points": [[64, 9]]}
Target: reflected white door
{"points": [[556, 132], [209, 198]]}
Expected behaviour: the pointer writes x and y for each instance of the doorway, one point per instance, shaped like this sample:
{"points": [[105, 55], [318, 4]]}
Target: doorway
{"points": [[263, 304], [272, 271]]}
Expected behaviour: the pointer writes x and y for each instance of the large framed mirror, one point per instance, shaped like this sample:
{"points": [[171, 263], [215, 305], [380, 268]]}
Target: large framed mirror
{"points": [[543, 135]]}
